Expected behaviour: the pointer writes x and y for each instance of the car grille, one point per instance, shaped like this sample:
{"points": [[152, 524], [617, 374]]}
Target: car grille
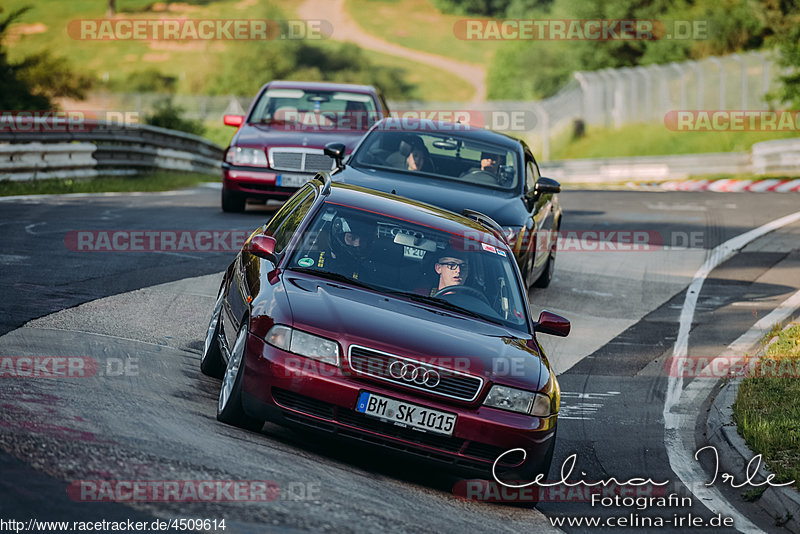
{"points": [[376, 364], [301, 160], [470, 453]]}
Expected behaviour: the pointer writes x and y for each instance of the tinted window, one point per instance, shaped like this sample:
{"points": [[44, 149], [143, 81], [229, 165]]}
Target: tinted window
{"points": [[418, 262], [443, 154], [318, 109], [289, 217]]}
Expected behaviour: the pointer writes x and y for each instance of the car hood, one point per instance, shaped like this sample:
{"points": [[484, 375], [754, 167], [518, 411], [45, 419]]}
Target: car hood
{"points": [[395, 325], [506, 208], [262, 135]]}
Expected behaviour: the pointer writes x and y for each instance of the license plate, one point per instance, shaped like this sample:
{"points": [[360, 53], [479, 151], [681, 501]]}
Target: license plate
{"points": [[406, 414], [412, 252], [292, 180]]}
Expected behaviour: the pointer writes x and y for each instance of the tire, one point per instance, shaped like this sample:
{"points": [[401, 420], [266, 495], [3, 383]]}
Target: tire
{"points": [[211, 363], [547, 275], [229, 407], [232, 202]]}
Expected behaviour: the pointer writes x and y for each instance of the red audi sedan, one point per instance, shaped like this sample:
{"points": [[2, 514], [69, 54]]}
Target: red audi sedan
{"points": [[279, 144], [373, 317]]}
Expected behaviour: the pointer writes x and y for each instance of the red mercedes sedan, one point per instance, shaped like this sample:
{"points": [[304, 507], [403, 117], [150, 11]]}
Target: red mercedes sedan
{"points": [[382, 319], [279, 144]]}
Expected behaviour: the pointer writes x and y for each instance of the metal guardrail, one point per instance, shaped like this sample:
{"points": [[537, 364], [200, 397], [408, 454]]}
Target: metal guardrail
{"points": [[781, 156], [110, 149], [31, 161], [91, 148]]}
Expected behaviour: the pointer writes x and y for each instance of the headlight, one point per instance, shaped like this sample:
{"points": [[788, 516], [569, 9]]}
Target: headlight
{"points": [[246, 156], [304, 344], [518, 400]]}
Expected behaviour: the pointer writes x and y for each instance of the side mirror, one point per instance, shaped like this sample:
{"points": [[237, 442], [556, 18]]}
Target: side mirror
{"points": [[262, 246], [233, 120], [550, 323], [336, 151], [546, 185]]}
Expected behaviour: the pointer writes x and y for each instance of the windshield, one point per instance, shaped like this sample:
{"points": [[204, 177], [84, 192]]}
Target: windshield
{"points": [[442, 154], [457, 272], [334, 110]]}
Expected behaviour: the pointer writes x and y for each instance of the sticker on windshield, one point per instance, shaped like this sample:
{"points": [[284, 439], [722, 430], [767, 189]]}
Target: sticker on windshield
{"points": [[488, 248], [305, 262]]}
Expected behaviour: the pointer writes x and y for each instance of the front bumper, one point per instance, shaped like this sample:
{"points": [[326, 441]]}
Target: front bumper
{"points": [[278, 387], [254, 183]]}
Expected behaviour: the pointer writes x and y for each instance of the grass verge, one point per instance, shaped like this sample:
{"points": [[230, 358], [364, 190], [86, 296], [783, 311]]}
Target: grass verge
{"points": [[158, 181], [654, 140], [767, 408], [419, 25]]}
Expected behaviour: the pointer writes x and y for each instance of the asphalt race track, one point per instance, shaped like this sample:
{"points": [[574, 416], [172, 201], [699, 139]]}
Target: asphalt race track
{"points": [[147, 413]]}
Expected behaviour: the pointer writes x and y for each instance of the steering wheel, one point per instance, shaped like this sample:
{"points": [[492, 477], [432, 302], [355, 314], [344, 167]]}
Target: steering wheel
{"points": [[462, 289], [478, 173]]}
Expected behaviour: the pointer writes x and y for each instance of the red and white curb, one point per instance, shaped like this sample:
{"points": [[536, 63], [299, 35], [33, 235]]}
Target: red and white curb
{"points": [[734, 186]]}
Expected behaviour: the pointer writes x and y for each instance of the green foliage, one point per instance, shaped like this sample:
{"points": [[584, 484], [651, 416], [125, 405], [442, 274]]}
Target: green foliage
{"points": [[655, 140], [37, 79], [167, 115], [784, 18], [150, 80], [541, 67], [254, 64], [488, 8], [52, 77]]}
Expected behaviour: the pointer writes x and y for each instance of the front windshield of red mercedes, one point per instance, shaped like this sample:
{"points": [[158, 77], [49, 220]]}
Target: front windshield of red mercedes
{"points": [[316, 109]]}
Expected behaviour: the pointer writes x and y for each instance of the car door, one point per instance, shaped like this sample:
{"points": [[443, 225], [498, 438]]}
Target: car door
{"points": [[540, 207], [246, 269]]}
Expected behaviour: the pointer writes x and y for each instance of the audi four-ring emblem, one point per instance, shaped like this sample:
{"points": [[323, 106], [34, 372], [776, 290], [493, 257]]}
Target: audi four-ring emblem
{"points": [[414, 373]]}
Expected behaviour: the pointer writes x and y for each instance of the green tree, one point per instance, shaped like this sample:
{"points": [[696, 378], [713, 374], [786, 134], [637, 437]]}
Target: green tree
{"points": [[167, 115], [33, 83]]}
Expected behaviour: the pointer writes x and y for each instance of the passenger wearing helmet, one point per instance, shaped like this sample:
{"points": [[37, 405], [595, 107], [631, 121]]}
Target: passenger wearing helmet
{"points": [[349, 241]]}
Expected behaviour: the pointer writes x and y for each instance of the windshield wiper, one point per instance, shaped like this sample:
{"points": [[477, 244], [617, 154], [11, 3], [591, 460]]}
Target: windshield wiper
{"points": [[336, 277], [443, 303]]}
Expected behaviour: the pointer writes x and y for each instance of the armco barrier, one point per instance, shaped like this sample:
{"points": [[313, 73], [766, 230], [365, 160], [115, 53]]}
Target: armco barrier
{"points": [[105, 148], [38, 161], [781, 156]]}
